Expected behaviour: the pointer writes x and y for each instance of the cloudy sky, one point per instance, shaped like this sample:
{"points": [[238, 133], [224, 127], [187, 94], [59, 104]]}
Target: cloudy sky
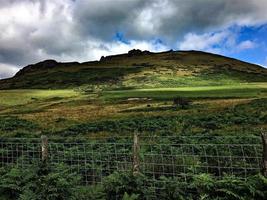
{"points": [[82, 30]]}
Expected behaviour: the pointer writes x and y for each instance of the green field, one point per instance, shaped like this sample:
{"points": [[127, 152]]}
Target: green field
{"points": [[227, 91]]}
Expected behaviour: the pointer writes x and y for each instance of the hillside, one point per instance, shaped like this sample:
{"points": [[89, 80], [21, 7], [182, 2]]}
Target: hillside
{"points": [[165, 94], [138, 69]]}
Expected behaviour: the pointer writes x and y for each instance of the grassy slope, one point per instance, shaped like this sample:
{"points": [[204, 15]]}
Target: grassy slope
{"points": [[22, 97], [167, 69], [229, 96], [225, 91]]}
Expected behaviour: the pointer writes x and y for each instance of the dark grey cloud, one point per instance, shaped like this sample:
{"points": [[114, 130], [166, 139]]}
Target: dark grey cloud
{"points": [[164, 18], [32, 30], [104, 18]]}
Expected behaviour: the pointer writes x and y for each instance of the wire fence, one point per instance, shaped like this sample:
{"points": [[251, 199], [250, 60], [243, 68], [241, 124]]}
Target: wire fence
{"points": [[194, 155], [154, 156], [96, 158]]}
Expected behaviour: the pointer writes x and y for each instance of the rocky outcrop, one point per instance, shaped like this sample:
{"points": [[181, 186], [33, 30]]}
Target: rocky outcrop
{"points": [[47, 64], [137, 52], [131, 53]]}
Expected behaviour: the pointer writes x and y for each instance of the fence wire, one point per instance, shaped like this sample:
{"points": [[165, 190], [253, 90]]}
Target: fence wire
{"points": [[160, 156], [179, 156]]}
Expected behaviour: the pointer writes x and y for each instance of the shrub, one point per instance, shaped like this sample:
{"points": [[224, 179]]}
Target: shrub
{"points": [[117, 184], [57, 183], [206, 186], [229, 187], [38, 183], [10, 123], [182, 102], [12, 182]]}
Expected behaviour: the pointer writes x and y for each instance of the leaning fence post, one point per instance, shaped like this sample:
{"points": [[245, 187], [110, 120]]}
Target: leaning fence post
{"points": [[264, 155], [44, 144], [136, 159]]}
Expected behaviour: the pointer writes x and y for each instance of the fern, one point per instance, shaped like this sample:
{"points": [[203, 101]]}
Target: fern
{"points": [[126, 196], [229, 194]]}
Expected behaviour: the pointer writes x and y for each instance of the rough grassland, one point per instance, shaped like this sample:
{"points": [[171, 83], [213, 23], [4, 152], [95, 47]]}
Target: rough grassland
{"points": [[71, 113], [136, 91]]}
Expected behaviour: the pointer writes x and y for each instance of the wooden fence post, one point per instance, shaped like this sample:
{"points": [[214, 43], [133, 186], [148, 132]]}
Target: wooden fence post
{"points": [[264, 153], [136, 151], [44, 144]]}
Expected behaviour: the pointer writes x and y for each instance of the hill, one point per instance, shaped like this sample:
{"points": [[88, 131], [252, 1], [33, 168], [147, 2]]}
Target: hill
{"points": [[135, 91], [138, 69]]}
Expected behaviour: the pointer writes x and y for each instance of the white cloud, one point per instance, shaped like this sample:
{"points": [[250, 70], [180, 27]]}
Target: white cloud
{"points": [[92, 50], [67, 30], [119, 47], [7, 70], [212, 42], [247, 44], [217, 42], [95, 49], [202, 41]]}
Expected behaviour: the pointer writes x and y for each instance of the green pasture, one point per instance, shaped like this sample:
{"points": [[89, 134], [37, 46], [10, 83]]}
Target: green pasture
{"points": [[227, 91], [25, 96]]}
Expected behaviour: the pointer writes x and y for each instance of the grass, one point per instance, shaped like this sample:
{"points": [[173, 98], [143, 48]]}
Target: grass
{"points": [[21, 97], [72, 112], [226, 91], [174, 79]]}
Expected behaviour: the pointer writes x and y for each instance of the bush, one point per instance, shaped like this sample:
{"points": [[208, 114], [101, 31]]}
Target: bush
{"points": [[149, 124], [117, 184], [57, 183], [39, 183], [206, 186], [10, 123], [12, 182], [182, 102]]}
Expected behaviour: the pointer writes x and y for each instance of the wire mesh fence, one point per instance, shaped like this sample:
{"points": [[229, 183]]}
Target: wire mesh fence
{"points": [[183, 156], [19, 151], [158, 156], [93, 159]]}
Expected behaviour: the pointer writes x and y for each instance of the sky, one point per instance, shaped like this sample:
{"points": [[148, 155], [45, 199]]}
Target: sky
{"points": [[83, 30]]}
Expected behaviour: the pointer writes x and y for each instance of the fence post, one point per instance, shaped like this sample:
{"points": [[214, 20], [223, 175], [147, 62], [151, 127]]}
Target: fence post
{"points": [[136, 158], [264, 155], [44, 144]]}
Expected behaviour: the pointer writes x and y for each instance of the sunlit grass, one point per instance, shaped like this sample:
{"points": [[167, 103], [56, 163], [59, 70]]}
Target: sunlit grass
{"points": [[227, 91], [21, 97]]}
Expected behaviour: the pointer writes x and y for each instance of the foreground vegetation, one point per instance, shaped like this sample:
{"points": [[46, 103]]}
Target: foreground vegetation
{"points": [[42, 182]]}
